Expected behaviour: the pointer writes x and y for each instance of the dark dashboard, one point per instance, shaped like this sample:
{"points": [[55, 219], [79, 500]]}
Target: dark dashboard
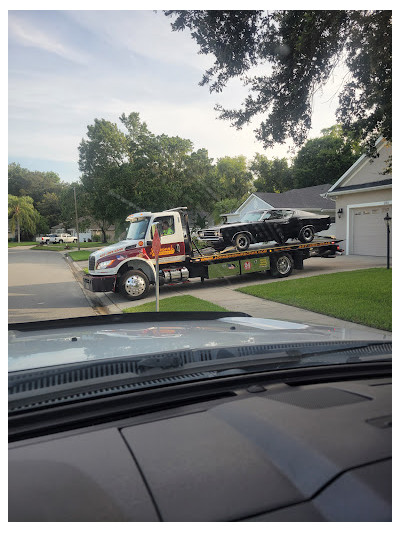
{"points": [[260, 451]]}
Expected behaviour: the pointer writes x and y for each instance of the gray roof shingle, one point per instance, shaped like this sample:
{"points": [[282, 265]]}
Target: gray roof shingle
{"points": [[309, 197]]}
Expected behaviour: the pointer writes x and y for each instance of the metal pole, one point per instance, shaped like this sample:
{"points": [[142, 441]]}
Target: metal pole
{"points": [[157, 286], [76, 219], [388, 246]]}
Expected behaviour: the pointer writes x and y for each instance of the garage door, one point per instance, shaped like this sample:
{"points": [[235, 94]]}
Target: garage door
{"points": [[369, 230]]}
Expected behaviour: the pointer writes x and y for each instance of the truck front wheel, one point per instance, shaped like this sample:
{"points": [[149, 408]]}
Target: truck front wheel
{"points": [[281, 265], [134, 284]]}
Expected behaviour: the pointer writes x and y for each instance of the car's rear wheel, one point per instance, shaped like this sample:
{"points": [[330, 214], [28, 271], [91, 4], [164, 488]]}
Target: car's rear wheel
{"points": [[75, 240], [281, 265], [306, 234], [60, 241], [242, 242], [134, 284]]}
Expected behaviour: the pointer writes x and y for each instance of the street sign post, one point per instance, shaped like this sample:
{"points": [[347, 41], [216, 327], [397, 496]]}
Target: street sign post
{"points": [[156, 247]]}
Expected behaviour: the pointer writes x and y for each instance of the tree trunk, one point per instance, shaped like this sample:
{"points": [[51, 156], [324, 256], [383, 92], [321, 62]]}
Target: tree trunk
{"points": [[104, 235], [18, 230]]}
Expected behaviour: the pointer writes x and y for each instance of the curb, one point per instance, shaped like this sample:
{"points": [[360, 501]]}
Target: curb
{"points": [[102, 305]]}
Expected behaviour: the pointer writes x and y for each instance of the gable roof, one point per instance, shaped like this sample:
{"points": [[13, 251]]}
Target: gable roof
{"points": [[308, 197], [342, 184]]}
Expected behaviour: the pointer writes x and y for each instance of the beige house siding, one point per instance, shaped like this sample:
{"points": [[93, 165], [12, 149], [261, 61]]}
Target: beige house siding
{"points": [[370, 170], [363, 198]]}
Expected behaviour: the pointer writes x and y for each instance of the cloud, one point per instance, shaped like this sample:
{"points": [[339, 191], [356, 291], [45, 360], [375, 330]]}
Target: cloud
{"points": [[29, 35]]}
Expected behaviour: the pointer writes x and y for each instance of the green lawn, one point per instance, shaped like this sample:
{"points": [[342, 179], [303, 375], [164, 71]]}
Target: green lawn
{"points": [[50, 247], [176, 303], [14, 244], [80, 255], [361, 296]]}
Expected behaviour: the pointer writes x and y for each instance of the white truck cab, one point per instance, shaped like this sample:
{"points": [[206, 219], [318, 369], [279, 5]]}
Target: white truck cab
{"points": [[131, 262]]}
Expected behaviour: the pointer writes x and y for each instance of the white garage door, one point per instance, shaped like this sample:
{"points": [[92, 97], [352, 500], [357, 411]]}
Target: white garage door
{"points": [[369, 235]]}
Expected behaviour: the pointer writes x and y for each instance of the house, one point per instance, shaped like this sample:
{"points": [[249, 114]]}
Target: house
{"points": [[312, 199], [92, 233], [363, 198]]}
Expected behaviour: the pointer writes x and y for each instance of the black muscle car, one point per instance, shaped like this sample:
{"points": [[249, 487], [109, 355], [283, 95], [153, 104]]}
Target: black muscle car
{"points": [[266, 225]]}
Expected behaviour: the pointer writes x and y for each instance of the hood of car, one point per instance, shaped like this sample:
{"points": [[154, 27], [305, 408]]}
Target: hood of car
{"points": [[37, 347]]}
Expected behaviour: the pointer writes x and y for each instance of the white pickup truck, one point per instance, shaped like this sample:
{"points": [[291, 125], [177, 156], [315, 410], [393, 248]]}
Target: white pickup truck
{"points": [[45, 239], [61, 238]]}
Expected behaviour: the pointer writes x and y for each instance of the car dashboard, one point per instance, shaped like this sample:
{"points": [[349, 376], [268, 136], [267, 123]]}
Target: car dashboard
{"points": [[255, 450]]}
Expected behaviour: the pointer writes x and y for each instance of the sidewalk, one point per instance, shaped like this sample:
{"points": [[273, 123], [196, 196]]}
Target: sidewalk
{"points": [[222, 292]]}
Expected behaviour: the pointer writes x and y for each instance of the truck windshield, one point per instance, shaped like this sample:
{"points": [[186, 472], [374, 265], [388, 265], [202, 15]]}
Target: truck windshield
{"points": [[137, 230]]}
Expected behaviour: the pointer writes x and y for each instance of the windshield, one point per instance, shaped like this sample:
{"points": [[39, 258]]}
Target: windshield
{"points": [[252, 217], [137, 230], [138, 150]]}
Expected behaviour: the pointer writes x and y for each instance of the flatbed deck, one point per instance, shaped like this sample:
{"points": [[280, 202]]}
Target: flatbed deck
{"points": [[231, 253]]}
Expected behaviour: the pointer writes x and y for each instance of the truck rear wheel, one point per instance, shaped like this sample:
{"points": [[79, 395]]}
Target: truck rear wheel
{"points": [[281, 265], [242, 242], [134, 284]]}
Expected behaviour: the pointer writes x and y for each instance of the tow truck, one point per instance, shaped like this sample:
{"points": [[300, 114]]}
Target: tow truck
{"points": [[128, 267]]}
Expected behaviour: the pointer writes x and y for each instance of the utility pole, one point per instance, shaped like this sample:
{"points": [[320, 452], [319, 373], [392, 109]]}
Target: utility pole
{"points": [[76, 219], [387, 219]]}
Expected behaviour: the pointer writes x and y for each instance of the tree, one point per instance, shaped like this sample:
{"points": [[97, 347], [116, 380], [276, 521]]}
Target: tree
{"points": [[233, 178], [273, 175], [50, 208], [324, 159], [299, 50], [22, 215], [24, 182]]}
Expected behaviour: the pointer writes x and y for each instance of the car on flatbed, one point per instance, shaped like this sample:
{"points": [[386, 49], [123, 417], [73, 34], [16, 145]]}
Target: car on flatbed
{"points": [[266, 225]]}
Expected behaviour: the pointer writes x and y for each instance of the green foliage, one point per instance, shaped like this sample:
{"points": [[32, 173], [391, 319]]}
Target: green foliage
{"points": [[273, 175], [22, 215], [299, 50], [324, 159], [228, 205], [24, 182]]}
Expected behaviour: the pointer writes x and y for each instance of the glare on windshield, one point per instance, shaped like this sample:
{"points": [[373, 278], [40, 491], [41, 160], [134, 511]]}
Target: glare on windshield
{"points": [[137, 230]]}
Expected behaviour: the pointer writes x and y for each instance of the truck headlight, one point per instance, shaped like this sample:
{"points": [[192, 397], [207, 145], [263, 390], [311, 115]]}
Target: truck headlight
{"points": [[104, 264]]}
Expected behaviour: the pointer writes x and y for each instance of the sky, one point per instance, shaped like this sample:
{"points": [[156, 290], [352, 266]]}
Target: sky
{"points": [[69, 67]]}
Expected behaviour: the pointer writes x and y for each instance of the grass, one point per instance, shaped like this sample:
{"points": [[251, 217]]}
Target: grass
{"points": [[14, 244], [80, 255], [360, 296], [176, 303], [50, 247]]}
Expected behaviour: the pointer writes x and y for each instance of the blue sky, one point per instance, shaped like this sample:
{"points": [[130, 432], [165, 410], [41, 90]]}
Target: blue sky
{"points": [[67, 68]]}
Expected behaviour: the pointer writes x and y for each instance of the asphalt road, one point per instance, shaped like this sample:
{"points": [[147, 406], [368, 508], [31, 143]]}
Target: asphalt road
{"points": [[41, 286]]}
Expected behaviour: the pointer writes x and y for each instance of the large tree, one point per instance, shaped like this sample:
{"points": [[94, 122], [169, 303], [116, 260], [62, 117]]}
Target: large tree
{"points": [[272, 175], [299, 50], [324, 159], [24, 182]]}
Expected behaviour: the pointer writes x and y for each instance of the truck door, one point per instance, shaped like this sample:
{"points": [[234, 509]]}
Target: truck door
{"points": [[172, 242]]}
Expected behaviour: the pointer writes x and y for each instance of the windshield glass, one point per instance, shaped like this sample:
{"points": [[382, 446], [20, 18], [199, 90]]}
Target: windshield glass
{"points": [[252, 217], [155, 158], [137, 230]]}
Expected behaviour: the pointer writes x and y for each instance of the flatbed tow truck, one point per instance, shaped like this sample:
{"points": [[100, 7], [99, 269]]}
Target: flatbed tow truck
{"points": [[128, 266]]}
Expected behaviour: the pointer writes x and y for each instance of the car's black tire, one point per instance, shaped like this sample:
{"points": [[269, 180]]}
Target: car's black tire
{"points": [[75, 240], [134, 284], [306, 234], [281, 265], [219, 247], [60, 241], [242, 242]]}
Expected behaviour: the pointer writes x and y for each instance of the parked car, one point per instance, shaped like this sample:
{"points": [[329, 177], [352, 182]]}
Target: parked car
{"points": [[45, 239], [266, 225], [62, 237]]}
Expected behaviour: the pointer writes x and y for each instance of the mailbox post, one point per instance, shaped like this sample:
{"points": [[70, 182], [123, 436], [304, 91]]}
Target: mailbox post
{"points": [[156, 246], [387, 219]]}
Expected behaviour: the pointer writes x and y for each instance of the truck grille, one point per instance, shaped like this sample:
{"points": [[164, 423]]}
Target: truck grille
{"points": [[92, 262]]}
